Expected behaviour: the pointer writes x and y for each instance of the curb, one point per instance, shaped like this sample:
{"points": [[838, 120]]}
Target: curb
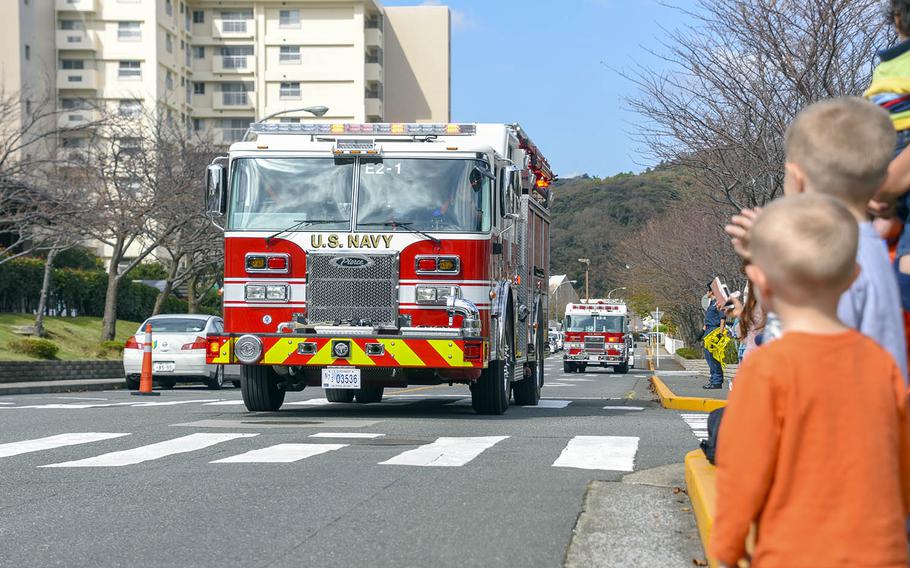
{"points": [[690, 403], [79, 385], [702, 487]]}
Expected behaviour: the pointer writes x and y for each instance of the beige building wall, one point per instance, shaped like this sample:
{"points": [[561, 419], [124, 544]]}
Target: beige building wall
{"points": [[418, 64]]}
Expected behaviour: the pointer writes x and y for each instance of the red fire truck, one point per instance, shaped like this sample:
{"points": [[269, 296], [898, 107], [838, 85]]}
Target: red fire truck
{"points": [[598, 333], [365, 256]]}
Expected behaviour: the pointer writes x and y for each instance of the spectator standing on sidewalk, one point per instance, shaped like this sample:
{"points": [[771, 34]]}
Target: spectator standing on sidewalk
{"points": [[714, 318], [816, 437]]}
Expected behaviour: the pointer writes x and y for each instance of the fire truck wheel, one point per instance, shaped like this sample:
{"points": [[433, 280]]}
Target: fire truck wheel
{"points": [[340, 395], [491, 393], [369, 394], [580, 368], [621, 369], [527, 391], [567, 367], [259, 388]]}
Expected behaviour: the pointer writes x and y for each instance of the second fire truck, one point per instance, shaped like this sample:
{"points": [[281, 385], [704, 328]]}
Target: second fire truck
{"points": [[366, 256], [598, 333]]}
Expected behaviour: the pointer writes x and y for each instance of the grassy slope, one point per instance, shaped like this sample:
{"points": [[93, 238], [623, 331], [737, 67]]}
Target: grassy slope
{"points": [[78, 338]]}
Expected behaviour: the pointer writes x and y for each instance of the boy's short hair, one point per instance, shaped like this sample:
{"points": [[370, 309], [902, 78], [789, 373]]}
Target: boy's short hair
{"points": [[805, 243], [844, 146]]}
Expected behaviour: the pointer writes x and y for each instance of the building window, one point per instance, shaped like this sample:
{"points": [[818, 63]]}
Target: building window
{"points": [[197, 124], [28, 108], [129, 31], [234, 94], [233, 129], [130, 70], [198, 52], [198, 88], [168, 80], [289, 18], [73, 104], [186, 57], [73, 142], [129, 144], [289, 54], [130, 107], [235, 57], [198, 17], [235, 21], [71, 25], [28, 52], [168, 43], [168, 7], [289, 91], [72, 64]]}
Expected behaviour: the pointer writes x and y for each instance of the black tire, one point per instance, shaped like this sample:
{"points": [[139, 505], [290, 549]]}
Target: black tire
{"points": [[580, 368], [259, 388], [568, 367], [132, 382], [367, 395], [621, 369], [167, 384], [236, 384], [216, 382], [491, 393], [340, 395], [527, 390]]}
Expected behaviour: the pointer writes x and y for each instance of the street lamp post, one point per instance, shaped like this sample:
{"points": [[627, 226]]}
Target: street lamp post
{"points": [[610, 293], [587, 263], [317, 111]]}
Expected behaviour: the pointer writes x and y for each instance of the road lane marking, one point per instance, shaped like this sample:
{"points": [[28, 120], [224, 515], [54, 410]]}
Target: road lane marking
{"points": [[698, 423], [351, 435], [558, 385], [613, 453], [62, 406], [70, 398], [550, 403], [175, 402], [446, 452], [282, 453], [181, 445], [624, 408], [310, 402], [225, 403], [414, 389], [51, 442]]}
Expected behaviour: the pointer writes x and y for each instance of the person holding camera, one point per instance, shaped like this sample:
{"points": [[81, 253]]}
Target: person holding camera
{"points": [[714, 318]]}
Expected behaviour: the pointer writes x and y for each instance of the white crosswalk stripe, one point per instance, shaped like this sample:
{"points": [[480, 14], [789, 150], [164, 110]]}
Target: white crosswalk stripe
{"points": [[51, 442], [446, 452], [630, 408], [184, 444], [698, 423], [282, 453], [347, 435], [613, 453], [550, 403]]}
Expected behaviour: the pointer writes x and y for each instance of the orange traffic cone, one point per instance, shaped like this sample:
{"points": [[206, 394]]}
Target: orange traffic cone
{"points": [[145, 379]]}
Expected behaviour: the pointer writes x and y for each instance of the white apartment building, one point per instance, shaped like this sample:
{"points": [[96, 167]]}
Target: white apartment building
{"points": [[220, 64]]}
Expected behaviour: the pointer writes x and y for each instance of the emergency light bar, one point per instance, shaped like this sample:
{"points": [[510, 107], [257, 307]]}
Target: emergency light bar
{"points": [[384, 128], [356, 146]]}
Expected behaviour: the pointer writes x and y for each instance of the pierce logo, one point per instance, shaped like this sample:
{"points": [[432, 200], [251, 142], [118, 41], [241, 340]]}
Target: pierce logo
{"points": [[351, 261]]}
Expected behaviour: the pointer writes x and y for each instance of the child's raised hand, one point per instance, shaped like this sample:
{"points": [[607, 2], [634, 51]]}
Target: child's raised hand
{"points": [[739, 228]]}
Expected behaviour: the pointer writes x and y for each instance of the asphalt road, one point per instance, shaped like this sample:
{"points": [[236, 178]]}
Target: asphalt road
{"points": [[191, 478]]}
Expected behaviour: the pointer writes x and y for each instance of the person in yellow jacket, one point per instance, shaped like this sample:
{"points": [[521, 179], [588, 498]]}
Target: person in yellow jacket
{"points": [[715, 324]]}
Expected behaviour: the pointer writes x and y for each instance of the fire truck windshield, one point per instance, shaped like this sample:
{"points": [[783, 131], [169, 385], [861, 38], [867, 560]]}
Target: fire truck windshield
{"points": [[275, 193], [435, 195], [596, 324]]}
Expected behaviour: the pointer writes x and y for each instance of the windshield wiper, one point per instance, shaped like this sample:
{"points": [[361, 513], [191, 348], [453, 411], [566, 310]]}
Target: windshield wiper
{"points": [[405, 225], [298, 223]]}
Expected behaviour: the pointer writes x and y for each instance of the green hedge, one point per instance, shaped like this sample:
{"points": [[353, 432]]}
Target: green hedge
{"points": [[75, 292], [34, 347], [689, 353]]}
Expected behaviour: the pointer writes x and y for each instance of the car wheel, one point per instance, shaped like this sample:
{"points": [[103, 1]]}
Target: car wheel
{"points": [[167, 384], [621, 369], [132, 382], [217, 381], [259, 388], [367, 395], [340, 395]]}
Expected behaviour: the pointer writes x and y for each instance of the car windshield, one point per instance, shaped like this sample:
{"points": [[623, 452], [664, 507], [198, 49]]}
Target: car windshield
{"points": [[275, 193], [596, 324], [435, 195], [174, 325]]}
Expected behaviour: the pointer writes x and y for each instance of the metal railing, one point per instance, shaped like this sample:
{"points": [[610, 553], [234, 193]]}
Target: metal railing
{"points": [[231, 135], [234, 99], [233, 26], [234, 61]]}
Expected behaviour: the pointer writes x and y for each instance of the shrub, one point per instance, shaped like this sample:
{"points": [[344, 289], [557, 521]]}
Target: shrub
{"points": [[112, 346], [689, 353], [35, 347]]}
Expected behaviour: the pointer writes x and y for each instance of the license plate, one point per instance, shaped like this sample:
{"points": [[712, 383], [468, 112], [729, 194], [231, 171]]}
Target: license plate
{"points": [[163, 367], [341, 378]]}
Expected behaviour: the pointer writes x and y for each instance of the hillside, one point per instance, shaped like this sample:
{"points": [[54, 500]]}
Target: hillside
{"points": [[592, 215]]}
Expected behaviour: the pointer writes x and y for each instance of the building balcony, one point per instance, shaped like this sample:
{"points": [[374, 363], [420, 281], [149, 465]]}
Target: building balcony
{"points": [[226, 136], [232, 28], [374, 72], [373, 108], [76, 39], [76, 118], [373, 37], [232, 64], [77, 5], [232, 101], [77, 79]]}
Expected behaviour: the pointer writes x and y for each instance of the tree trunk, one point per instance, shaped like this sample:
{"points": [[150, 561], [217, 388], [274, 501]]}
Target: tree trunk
{"points": [[109, 321], [45, 289], [168, 286], [191, 294]]}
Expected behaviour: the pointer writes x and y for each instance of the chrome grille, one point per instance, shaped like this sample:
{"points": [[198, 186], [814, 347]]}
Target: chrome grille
{"points": [[594, 343], [350, 294]]}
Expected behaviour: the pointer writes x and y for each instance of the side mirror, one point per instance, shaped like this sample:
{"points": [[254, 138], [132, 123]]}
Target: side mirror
{"points": [[215, 187], [508, 182]]}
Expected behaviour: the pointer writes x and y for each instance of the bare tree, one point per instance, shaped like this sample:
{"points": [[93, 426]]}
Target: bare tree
{"points": [[739, 74]]}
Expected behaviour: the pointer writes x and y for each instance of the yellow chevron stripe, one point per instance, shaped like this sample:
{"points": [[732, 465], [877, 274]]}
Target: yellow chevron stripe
{"points": [[450, 351], [358, 356], [280, 352], [402, 352], [224, 356]]}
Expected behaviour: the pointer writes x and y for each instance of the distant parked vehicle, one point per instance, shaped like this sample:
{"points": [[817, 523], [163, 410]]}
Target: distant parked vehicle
{"points": [[178, 352]]}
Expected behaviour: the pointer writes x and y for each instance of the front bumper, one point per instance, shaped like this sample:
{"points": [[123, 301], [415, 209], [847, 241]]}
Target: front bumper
{"points": [[595, 358], [396, 351]]}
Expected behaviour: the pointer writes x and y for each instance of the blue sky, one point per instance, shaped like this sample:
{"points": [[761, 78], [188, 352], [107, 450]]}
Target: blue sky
{"points": [[552, 66]]}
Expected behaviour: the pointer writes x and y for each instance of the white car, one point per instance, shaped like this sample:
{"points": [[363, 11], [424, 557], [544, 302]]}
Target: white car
{"points": [[178, 351]]}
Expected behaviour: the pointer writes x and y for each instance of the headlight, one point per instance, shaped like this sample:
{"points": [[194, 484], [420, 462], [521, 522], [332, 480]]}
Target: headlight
{"points": [[426, 295], [435, 295], [276, 292], [255, 292]]}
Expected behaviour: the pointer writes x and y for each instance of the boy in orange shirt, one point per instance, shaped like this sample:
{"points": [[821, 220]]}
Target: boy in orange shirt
{"points": [[815, 443]]}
